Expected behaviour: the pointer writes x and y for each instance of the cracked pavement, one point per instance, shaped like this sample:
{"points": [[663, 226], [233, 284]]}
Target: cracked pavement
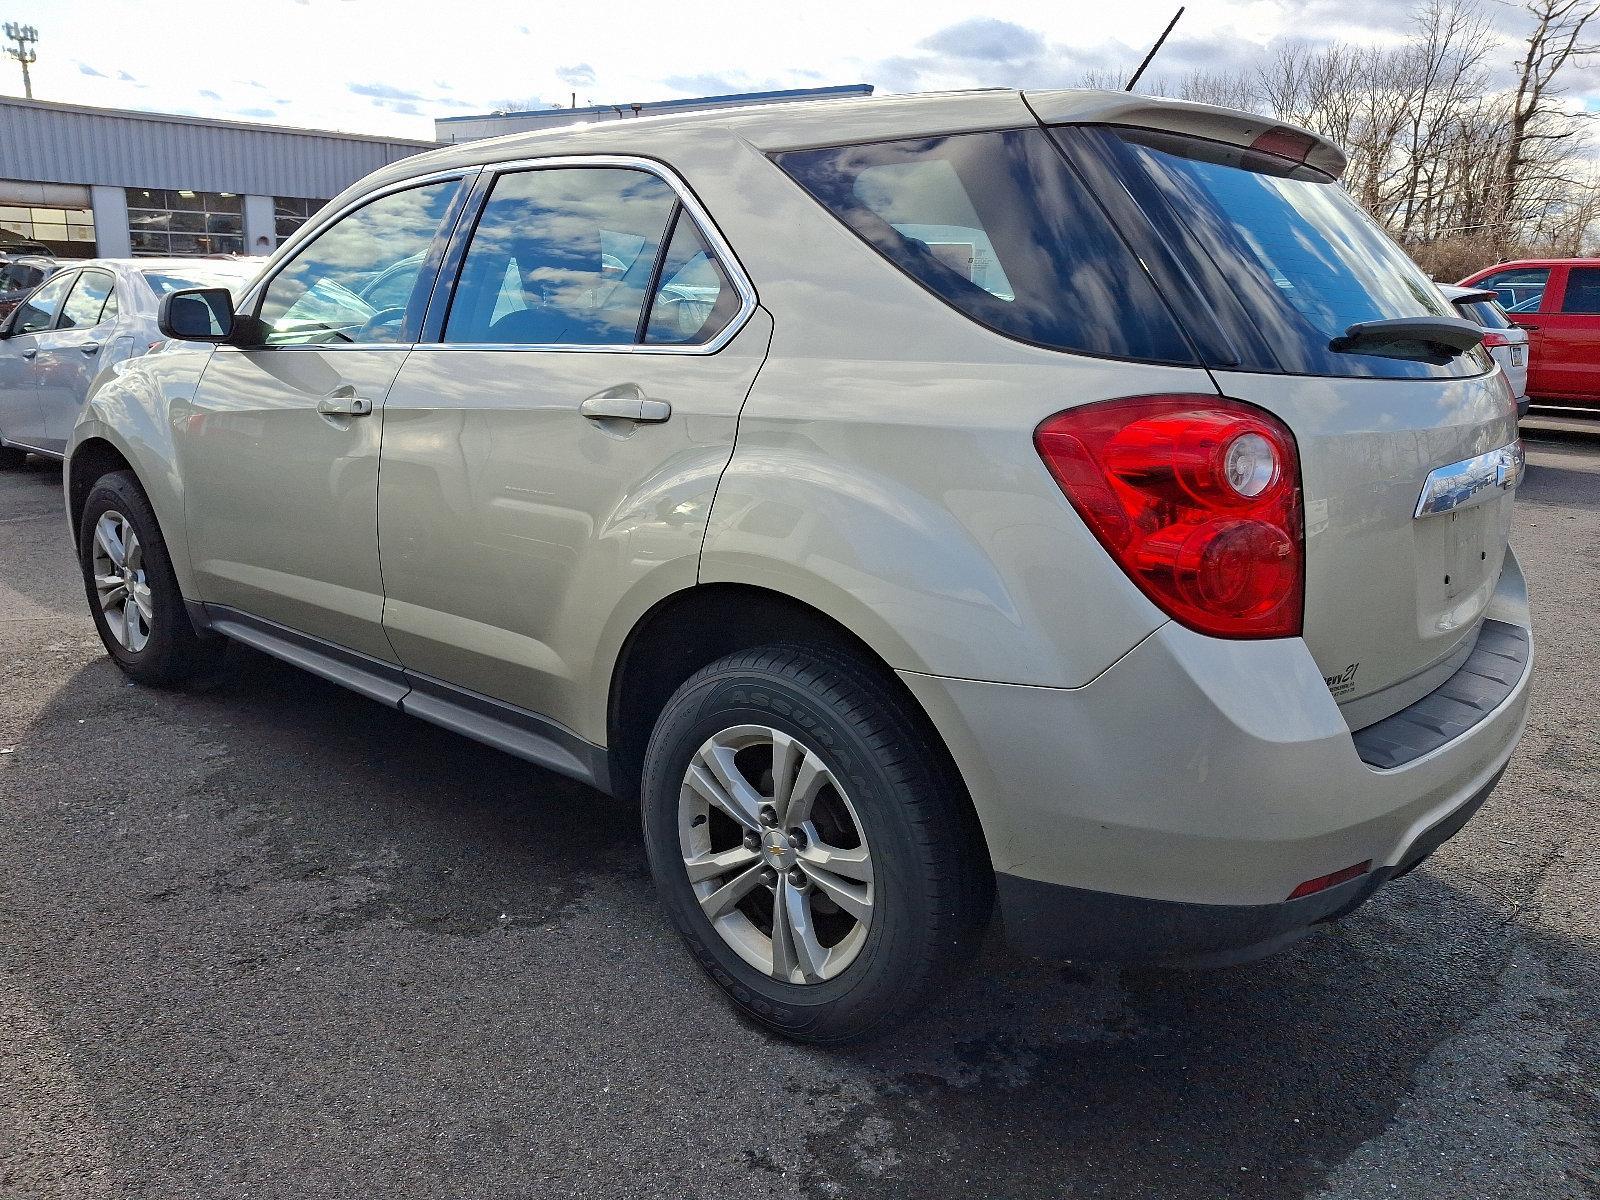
{"points": [[264, 938]]}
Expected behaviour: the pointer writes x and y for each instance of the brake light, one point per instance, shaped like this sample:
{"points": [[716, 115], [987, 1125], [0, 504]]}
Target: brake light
{"points": [[1285, 143], [1197, 498], [1490, 338]]}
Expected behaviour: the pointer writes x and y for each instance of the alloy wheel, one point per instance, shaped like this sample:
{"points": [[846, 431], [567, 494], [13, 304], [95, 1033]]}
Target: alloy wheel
{"points": [[119, 581], [776, 854]]}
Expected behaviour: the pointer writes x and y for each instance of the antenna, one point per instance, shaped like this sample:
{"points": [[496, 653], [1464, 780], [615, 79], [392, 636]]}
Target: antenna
{"points": [[1160, 41], [25, 37]]}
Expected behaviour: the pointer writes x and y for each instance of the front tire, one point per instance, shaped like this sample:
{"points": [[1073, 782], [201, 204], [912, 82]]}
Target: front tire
{"points": [[133, 592], [816, 856]]}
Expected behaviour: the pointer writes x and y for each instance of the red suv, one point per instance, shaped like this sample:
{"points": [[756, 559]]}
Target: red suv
{"points": [[1558, 301]]}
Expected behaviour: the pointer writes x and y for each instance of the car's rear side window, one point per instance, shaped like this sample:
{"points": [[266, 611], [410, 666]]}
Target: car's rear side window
{"points": [[1297, 253], [1000, 227], [1583, 290]]}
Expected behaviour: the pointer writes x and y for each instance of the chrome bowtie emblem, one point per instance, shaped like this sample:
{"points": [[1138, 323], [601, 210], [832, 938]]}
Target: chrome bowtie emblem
{"points": [[1471, 481]]}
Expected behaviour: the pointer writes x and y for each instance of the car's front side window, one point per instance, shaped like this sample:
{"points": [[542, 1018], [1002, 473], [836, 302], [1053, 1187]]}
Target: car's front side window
{"points": [[1520, 290], [317, 299], [38, 311]]}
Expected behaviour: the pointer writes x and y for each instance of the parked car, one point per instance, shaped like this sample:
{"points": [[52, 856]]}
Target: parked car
{"points": [[1557, 300], [1139, 556], [20, 275], [1502, 337], [79, 326]]}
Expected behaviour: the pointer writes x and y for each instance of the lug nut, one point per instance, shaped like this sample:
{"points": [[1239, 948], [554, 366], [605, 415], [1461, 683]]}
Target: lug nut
{"points": [[752, 841], [797, 877], [769, 815], [797, 839]]}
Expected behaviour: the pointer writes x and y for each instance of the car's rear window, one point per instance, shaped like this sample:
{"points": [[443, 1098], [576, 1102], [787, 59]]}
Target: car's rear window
{"points": [[1302, 259], [1483, 312], [1000, 227], [162, 282]]}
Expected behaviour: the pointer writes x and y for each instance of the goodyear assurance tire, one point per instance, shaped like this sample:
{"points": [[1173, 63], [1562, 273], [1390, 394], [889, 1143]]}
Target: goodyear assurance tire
{"points": [[815, 855], [133, 593]]}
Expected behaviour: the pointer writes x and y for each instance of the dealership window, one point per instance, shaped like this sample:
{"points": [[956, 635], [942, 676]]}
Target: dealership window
{"points": [[291, 212], [163, 221], [67, 231]]}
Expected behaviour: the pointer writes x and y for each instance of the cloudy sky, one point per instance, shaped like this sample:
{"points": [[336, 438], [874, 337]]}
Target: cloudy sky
{"points": [[390, 66]]}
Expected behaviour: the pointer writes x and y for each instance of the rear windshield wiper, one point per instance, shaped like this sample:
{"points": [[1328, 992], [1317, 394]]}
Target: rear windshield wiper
{"points": [[1410, 337]]}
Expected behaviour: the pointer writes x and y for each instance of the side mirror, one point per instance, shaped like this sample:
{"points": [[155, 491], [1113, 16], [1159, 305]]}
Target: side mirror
{"points": [[197, 315]]}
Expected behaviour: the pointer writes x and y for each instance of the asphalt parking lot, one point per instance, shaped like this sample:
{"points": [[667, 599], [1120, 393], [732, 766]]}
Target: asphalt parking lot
{"points": [[263, 938]]}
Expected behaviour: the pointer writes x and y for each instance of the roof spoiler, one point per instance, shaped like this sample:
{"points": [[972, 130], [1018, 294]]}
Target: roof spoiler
{"points": [[1228, 125]]}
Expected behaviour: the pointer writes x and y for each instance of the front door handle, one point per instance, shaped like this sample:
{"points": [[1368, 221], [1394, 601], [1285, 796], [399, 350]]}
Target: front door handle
{"points": [[342, 404], [629, 405], [30, 352], [90, 347]]}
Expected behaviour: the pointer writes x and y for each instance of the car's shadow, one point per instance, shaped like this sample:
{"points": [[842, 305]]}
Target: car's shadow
{"points": [[1252, 1081]]}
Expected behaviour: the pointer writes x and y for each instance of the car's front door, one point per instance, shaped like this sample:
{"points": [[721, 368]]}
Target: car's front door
{"points": [[70, 354], [21, 412], [1570, 332], [559, 439], [278, 449]]}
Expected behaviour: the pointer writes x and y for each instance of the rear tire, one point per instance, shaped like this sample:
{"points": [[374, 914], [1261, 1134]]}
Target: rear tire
{"points": [[876, 859], [133, 592]]}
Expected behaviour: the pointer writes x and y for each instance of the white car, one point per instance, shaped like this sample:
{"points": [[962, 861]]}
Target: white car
{"points": [[1505, 339], [77, 326]]}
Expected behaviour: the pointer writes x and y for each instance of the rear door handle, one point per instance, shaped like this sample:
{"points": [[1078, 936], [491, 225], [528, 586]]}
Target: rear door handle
{"points": [[625, 408], [90, 347], [30, 352]]}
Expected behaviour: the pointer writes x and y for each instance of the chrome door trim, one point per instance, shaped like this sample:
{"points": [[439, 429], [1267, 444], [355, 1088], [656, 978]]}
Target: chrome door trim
{"points": [[1471, 481], [691, 205]]}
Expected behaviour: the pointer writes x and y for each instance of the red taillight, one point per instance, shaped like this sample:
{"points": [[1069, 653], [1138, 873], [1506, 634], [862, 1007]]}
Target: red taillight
{"points": [[1495, 339], [1323, 882], [1197, 498]]}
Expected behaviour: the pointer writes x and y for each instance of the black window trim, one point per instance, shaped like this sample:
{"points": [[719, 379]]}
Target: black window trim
{"points": [[432, 333]]}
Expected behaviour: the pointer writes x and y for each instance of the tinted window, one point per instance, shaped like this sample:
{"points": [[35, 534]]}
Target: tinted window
{"points": [[38, 311], [1486, 313], [1302, 258], [86, 301], [997, 225], [561, 256], [1583, 290], [694, 298], [19, 275], [1520, 290], [317, 298]]}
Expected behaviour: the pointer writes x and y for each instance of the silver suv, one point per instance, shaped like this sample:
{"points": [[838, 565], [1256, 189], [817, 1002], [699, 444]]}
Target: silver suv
{"points": [[1065, 499]]}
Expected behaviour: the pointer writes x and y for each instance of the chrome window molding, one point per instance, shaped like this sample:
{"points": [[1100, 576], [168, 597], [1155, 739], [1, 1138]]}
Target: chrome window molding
{"points": [[691, 205]]}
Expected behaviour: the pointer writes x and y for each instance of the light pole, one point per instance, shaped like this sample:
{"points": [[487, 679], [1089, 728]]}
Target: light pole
{"points": [[25, 37]]}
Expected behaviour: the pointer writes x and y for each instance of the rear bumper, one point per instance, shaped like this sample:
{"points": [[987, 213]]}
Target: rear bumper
{"points": [[1168, 809]]}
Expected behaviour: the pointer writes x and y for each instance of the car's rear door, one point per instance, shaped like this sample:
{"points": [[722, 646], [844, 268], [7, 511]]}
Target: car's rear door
{"points": [[70, 354], [551, 447], [1570, 333]]}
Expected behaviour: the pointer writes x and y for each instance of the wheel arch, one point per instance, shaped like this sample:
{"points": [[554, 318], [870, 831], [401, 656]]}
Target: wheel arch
{"points": [[695, 627]]}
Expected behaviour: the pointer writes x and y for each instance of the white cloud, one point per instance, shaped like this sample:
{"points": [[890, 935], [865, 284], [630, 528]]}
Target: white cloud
{"points": [[388, 66]]}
